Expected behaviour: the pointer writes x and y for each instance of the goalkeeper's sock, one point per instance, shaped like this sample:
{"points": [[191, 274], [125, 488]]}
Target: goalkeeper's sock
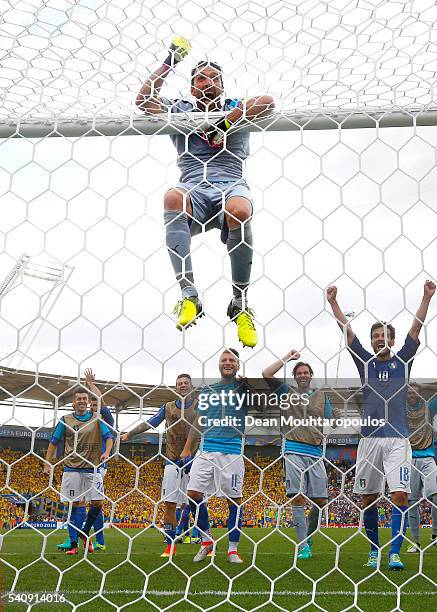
{"points": [[184, 520], [91, 517], [434, 515], [235, 521], [371, 527], [98, 529], [170, 533], [202, 519], [239, 245], [398, 516], [178, 240], [299, 523], [414, 520], [313, 519]]}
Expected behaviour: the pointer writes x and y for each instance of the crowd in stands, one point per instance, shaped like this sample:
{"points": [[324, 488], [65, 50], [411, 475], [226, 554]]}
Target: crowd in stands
{"points": [[263, 490]]}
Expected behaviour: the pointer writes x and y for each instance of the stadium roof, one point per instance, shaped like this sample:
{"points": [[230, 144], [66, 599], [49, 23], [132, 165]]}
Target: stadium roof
{"points": [[46, 388], [24, 386]]}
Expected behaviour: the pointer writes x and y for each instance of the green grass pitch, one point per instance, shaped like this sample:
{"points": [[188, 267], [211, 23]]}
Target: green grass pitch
{"points": [[270, 579]]}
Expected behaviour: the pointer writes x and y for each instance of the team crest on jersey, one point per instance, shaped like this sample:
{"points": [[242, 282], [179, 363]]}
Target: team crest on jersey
{"points": [[393, 365], [362, 483]]}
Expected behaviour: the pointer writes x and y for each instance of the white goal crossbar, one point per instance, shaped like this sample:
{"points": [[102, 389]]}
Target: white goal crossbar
{"points": [[166, 123]]}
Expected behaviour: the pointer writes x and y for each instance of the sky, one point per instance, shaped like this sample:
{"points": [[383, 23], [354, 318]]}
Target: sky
{"points": [[356, 208]]}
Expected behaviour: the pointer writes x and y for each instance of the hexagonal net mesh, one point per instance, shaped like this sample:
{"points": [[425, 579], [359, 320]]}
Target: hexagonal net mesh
{"points": [[104, 382]]}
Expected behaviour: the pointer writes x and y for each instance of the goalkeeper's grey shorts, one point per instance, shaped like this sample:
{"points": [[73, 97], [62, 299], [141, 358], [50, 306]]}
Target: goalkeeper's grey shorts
{"points": [[306, 475], [208, 201]]}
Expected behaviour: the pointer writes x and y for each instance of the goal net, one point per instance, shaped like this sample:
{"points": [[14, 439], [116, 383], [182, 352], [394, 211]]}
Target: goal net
{"points": [[343, 186]]}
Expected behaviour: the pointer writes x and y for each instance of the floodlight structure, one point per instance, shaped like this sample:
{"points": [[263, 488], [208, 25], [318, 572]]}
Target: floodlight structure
{"points": [[51, 272]]}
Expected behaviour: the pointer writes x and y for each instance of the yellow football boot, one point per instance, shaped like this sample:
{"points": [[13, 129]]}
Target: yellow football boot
{"points": [[245, 325], [188, 310]]}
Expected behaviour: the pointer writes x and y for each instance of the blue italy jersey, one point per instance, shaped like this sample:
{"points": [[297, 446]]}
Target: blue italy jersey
{"points": [[59, 433], [302, 448], [199, 162], [385, 386], [224, 419]]}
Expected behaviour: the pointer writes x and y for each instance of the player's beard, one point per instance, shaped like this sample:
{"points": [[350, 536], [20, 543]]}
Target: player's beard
{"points": [[383, 352]]}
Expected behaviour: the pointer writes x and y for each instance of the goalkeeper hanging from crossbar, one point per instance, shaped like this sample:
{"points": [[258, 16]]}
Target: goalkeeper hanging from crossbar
{"points": [[211, 192]]}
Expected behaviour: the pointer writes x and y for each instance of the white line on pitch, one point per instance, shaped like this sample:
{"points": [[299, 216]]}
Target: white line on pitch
{"points": [[240, 593]]}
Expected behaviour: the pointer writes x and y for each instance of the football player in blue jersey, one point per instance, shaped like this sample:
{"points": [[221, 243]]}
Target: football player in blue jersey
{"points": [[178, 415], [218, 468], [384, 449], [211, 192], [105, 414], [302, 446]]}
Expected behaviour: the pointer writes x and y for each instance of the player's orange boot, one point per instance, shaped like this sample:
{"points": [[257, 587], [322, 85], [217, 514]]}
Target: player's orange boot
{"points": [[87, 544], [169, 551], [72, 551]]}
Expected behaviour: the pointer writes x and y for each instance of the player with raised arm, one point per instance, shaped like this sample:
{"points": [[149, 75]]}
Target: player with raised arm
{"points": [[305, 473], [420, 416], [105, 414], [211, 192], [384, 449], [219, 466], [83, 435], [178, 416]]}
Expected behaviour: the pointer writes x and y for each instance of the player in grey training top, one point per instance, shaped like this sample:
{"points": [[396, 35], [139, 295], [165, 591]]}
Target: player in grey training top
{"points": [[211, 192]]}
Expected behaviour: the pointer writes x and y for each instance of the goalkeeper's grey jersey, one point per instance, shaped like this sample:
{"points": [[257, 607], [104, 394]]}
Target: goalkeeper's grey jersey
{"points": [[198, 161]]}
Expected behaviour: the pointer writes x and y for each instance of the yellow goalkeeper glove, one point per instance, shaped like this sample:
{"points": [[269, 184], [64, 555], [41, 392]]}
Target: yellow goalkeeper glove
{"points": [[179, 48]]}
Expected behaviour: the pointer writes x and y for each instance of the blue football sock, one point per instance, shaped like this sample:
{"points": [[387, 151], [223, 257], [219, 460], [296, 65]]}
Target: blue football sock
{"points": [[398, 516], [434, 515], [98, 529], [80, 516], [170, 533], [178, 514], [234, 524], [72, 523], [371, 527], [91, 517], [202, 518], [183, 521], [195, 532]]}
